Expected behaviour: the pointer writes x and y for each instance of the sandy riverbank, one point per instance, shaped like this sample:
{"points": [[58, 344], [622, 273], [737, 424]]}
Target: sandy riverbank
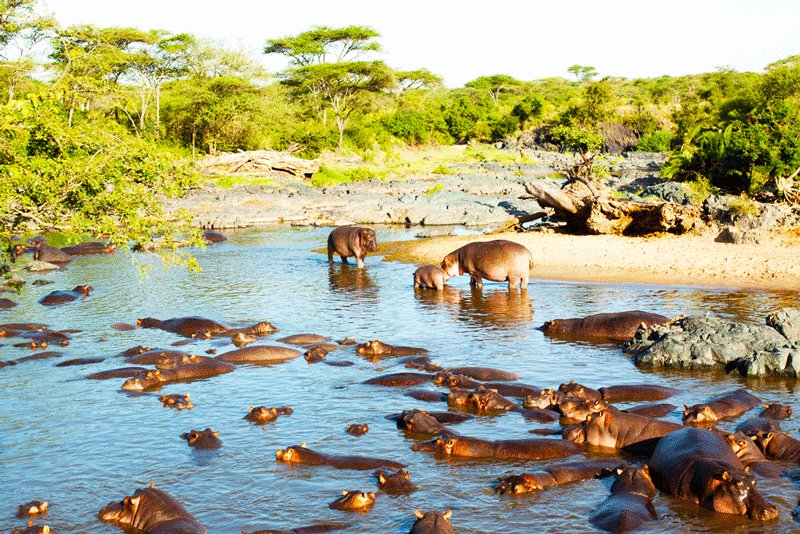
{"points": [[664, 260]]}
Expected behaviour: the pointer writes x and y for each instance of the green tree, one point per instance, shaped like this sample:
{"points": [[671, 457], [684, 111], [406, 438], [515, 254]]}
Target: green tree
{"points": [[21, 30], [582, 72], [494, 85]]}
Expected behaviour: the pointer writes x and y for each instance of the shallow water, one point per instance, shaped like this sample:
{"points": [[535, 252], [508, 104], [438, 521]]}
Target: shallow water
{"points": [[80, 443]]}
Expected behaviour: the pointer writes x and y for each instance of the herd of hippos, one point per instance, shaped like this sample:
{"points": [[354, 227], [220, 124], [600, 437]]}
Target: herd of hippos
{"points": [[694, 461]]}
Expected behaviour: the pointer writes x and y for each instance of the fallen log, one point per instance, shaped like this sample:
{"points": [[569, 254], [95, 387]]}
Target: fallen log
{"points": [[258, 162]]}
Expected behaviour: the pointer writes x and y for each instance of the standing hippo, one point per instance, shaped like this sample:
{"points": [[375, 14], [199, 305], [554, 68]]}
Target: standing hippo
{"points": [[431, 277], [153, 511], [630, 502], [60, 297], [619, 326], [347, 241], [432, 523], [697, 465], [498, 261]]}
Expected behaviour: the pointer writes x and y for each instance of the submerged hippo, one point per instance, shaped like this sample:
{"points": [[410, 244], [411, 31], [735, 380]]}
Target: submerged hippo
{"points": [[304, 339], [32, 508], [303, 455], [89, 247], [630, 503], [193, 371], [618, 326], [177, 401], [399, 379], [498, 261], [431, 277], [49, 254], [61, 297], [724, 406], [351, 241], [752, 457], [259, 354], [34, 529], [185, 326], [552, 475], [212, 236], [614, 429], [779, 446], [7, 303], [697, 465], [357, 429], [202, 439], [354, 501], [776, 411], [153, 511], [509, 449], [378, 348], [432, 523], [396, 483], [262, 414]]}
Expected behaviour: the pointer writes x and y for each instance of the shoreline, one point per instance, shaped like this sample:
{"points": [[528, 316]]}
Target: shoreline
{"points": [[686, 261]]}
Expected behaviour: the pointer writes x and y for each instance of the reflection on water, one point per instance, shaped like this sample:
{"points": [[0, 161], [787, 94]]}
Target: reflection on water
{"points": [[80, 444]]}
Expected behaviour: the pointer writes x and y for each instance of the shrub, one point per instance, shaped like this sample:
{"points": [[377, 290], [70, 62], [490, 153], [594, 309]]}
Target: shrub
{"points": [[659, 141]]}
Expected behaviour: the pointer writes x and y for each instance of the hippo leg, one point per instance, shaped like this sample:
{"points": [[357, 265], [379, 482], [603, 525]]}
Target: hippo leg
{"points": [[439, 285], [474, 281], [344, 259], [330, 256], [359, 262]]}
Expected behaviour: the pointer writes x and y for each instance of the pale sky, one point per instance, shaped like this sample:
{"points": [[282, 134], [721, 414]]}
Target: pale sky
{"points": [[461, 40]]}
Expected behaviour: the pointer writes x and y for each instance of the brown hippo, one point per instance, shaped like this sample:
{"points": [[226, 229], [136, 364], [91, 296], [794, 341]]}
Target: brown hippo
{"points": [[630, 503], [122, 372], [752, 456], [553, 475], [357, 429], [578, 409], [203, 439], [185, 326], [426, 395], [302, 455], [422, 363], [399, 379], [351, 241], [177, 401], [212, 236], [7, 303], [315, 355], [779, 446], [652, 410], [304, 339], [171, 362], [614, 429], [396, 483], [49, 254], [61, 297], [776, 411], [697, 465], [483, 373], [498, 261], [453, 381], [724, 406], [311, 529], [430, 423], [432, 523], [78, 361], [754, 425], [354, 501], [153, 511], [619, 393], [431, 277], [509, 449], [89, 247], [32, 508], [193, 371], [259, 354], [241, 340], [151, 357], [619, 326], [378, 348], [262, 414], [34, 529]]}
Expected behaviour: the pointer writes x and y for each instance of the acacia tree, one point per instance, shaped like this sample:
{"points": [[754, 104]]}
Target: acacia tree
{"points": [[324, 63], [21, 30], [494, 85]]}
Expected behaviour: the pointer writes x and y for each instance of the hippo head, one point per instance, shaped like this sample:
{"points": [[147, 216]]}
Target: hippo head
{"points": [[384, 478], [262, 414], [358, 429], [776, 411], [315, 354], [418, 421], [242, 340], [142, 381], [204, 439], [289, 454], [573, 389], [83, 290], [634, 480], [578, 409], [451, 266], [355, 500], [121, 512], [263, 328], [699, 415], [551, 327], [763, 439], [542, 400], [517, 484], [371, 347], [429, 446], [736, 493], [32, 508], [148, 322], [458, 397], [367, 239]]}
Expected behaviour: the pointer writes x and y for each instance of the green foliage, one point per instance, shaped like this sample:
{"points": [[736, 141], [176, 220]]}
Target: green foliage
{"points": [[441, 169], [743, 206], [433, 190], [529, 108], [582, 72], [659, 141], [328, 176], [417, 127], [577, 139]]}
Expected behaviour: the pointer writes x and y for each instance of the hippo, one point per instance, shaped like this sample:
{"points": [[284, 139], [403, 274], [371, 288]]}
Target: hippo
{"points": [[619, 393], [578, 409], [151, 510], [630, 503], [724, 406], [89, 247], [499, 260], [619, 326], [553, 475], [508, 450], [426, 395], [45, 336], [262, 414], [453, 381], [378, 348], [422, 363], [776, 411], [483, 373], [303, 455], [259, 354], [357, 429], [177, 401], [397, 483], [399, 379], [304, 339], [652, 410], [614, 429], [754, 425], [7, 303], [79, 361], [315, 355], [430, 277], [49, 254], [123, 327], [171, 362], [260, 329], [203, 439], [779, 446], [34, 529], [41, 355], [151, 357], [61, 297], [212, 236], [311, 529], [241, 340], [32, 508], [354, 501], [193, 371], [121, 372], [351, 241], [696, 465], [185, 326], [751, 455], [426, 422], [432, 523]]}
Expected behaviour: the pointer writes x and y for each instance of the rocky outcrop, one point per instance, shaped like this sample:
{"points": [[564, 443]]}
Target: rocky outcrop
{"points": [[700, 342]]}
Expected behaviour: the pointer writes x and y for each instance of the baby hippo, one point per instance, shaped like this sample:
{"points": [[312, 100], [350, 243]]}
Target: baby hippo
{"points": [[177, 401], [347, 241], [431, 277], [354, 501], [498, 260], [396, 483]]}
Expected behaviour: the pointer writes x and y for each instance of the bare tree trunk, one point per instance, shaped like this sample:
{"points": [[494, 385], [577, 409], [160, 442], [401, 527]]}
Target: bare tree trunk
{"points": [[158, 109]]}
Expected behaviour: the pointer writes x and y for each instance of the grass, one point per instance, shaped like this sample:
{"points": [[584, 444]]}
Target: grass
{"points": [[228, 181]]}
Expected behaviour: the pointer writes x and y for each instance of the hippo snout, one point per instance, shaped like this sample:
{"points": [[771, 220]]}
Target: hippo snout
{"points": [[761, 510]]}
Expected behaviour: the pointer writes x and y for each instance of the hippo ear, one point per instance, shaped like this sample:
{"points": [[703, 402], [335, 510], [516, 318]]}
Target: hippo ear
{"points": [[371, 494], [215, 434], [152, 483], [406, 475], [447, 514], [747, 469], [186, 397], [726, 476], [419, 514], [381, 479], [303, 445], [646, 469], [620, 470], [685, 409], [344, 492]]}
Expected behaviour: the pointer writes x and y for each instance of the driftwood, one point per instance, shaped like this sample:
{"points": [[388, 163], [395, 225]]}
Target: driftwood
{"points": [[259, 162], [598, 215]]}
